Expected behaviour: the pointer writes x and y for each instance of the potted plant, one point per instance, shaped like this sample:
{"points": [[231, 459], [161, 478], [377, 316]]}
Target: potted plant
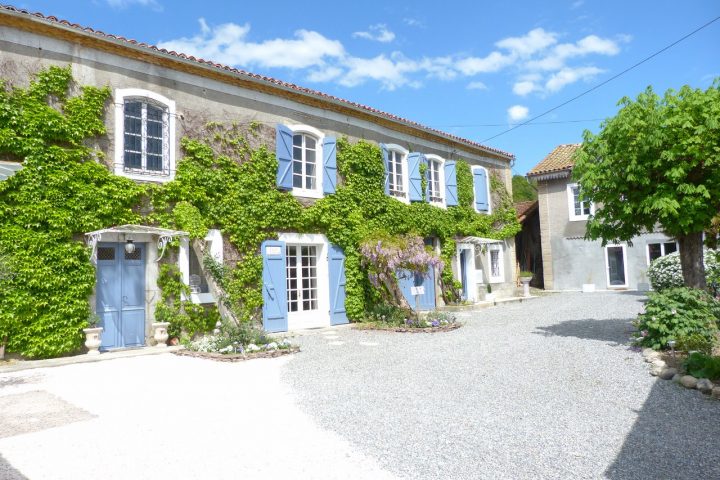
{"points": [[160, 333], [93, 335], [525, 278], [489, 296]]}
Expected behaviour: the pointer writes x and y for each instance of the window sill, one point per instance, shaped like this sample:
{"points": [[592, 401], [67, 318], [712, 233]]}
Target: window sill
{"points": [[438, 204], [400, 198], [300, 192], [581, 218], [145, 177], [200, 298]]}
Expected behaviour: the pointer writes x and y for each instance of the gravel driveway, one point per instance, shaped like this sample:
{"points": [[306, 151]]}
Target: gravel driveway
{"points": [[542, 389]]}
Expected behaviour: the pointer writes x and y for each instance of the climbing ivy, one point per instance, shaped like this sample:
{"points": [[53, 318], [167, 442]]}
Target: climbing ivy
{"points": [[61, 192], [225, 180]]}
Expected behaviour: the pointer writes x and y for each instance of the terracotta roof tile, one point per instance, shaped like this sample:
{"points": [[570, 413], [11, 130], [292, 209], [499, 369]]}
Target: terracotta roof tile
{"points": [[307, 91], [523, 208], [559, 159]]}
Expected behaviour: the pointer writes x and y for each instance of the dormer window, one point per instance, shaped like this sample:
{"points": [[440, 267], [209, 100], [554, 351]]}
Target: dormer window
{"points": [[144, 135]]}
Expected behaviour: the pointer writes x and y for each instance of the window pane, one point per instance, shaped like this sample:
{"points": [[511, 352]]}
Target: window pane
{"points": [[133, 108], [154, 129], [154, 146], [310, 143], [154, 114], [310, 156], [297, 140], [654, 251], [133, 125], [670, 247], [132, 160], [154, 162], [297, 153]]}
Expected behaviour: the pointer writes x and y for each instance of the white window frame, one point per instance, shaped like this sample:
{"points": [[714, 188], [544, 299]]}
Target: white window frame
{"points": [[123, 94], [571, 204], [495, 247], [405, 198], [441, 179], [317, 192], [487, 188], [662, 248], [321, 316], [625, 267]]}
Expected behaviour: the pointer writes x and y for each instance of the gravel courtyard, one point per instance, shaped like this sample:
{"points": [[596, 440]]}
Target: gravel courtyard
{"points": [[543, 389]]}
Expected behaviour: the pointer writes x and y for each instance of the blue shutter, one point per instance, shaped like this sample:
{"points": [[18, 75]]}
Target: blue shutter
{"points": [[415, 159], [451, 198], [283, 153], [275, 318], [336, 267], [481, 190], [386, 159], [329, 165]]}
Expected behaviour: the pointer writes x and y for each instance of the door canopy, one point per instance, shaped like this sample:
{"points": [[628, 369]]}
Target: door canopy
{"points": [[163, 235]]}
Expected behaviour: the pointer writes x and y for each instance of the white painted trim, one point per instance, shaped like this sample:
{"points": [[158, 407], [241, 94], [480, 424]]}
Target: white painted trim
{"points": [[571, 205], [662, 248], [500, 248], [215, 244], [321, 316], [319, 161], [393, 147], [607, 267], [469, 269], [441, 174], [119, 134], [487, 185], [183, 261]]}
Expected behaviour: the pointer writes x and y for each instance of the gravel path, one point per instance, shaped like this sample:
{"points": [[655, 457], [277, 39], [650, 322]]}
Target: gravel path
{"points": [[543, 389]]}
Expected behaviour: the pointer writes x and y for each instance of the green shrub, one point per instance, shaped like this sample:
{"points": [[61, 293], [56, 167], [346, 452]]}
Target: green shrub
{"points": [[677, 313], [665, 272], [387, 313], [700, 365], [695, 342]]}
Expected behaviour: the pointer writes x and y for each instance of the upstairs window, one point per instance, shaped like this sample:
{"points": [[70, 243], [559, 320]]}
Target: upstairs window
{"points": [[144, 135], [435, 180], [305, 150], [580, 209], [396, 171]]}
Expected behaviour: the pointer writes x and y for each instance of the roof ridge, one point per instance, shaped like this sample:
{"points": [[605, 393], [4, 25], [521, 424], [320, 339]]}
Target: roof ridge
{"points": [[275, 81]]}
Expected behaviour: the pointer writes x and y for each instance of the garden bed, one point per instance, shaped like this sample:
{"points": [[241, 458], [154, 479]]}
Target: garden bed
{"points": [[401, 329], [237, 357]]}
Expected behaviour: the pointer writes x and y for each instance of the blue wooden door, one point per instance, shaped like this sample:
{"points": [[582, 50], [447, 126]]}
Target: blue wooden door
{"points": [[408, 279], [463, 274], [336, 267], [120, 295]]}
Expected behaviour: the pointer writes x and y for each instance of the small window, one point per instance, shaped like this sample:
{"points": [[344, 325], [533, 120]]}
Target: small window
{"points": [[305, 159], [660, 249], [106, 253], [198, 282], [135, 254], [496, 272], [396, 172], [580, 209], [144, 135], [436, 180]]}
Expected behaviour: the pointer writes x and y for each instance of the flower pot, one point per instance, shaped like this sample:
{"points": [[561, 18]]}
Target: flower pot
{"points": [[526, 285], [160, 333], [92, 339]]}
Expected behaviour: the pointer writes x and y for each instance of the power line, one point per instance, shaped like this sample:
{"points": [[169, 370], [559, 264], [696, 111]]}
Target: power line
{"points": [[606, 81], [503, 124]]}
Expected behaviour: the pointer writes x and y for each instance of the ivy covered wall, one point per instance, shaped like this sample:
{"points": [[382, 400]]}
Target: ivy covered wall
{"points": [[225, 179]]}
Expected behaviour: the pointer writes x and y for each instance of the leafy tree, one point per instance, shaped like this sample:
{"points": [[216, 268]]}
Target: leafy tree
{"points": [[656, 163], [523, 190]]}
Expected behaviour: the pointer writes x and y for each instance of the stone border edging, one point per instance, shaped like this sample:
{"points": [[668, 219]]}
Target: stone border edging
{"points": [[445, 328], [236, 357], [658, 368]]}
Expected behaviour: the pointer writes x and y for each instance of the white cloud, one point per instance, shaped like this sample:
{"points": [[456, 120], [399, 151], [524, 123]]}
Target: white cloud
{"points": [[539, 63], [530, 43], [517, 113], [476, 86], [413, 22], [378, 33], [577, 4], [227, 43], [127, 3], [567, 76]]}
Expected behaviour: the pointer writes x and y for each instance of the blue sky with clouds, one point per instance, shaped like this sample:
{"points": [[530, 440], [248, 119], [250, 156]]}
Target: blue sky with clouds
{"points": [[469, 68]]}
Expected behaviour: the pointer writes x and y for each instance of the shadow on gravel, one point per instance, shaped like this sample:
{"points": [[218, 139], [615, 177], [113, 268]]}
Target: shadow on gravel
{"points": [[617, 331], [8, 472], [674, 436]]}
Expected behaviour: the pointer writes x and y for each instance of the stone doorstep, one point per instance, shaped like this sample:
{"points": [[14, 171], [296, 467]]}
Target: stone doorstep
{"points": [[57, 362], [480, 305]]}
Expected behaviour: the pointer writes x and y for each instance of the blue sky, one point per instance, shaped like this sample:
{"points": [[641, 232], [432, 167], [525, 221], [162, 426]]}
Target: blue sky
{"points": [[469, 68]]}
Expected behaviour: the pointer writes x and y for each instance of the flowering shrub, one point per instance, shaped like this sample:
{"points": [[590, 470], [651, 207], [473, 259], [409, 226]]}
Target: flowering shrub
{"points": [[387, 259], [237, 339], [665, 272], [384, 315], [677, 313]]}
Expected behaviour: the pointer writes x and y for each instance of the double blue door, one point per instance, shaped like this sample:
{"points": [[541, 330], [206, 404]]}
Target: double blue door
{"points": [[408, 279], [120, 294]]}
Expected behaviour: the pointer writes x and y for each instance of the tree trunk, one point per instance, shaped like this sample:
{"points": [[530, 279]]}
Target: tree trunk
{"points": [[691, 260], [396, 293]]}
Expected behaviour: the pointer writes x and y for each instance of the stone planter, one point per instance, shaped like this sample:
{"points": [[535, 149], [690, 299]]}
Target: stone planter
{"points": [[92, 339], [526, 285], [160, 333], [588, 287]]}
